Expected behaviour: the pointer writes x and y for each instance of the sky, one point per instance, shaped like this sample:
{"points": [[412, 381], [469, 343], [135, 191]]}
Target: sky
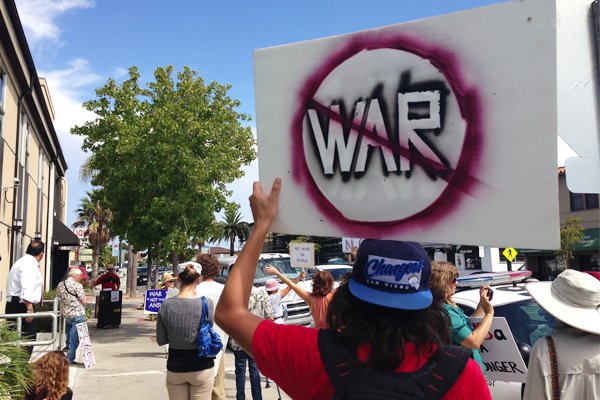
{"points": [[77, 45]]}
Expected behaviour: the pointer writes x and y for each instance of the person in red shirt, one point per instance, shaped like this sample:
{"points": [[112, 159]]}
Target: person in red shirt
{"points": [[109, 280], [381, 320]]}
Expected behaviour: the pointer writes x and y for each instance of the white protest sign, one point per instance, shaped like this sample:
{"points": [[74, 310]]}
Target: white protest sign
{"points": [[350, 245], [501, 356], [411, 130], [114, 296], [302, 255], [85, 345]]}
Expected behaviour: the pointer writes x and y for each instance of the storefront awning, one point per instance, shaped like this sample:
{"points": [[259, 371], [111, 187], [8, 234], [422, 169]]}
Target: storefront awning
{"points": [[62, 235], [591, 240]]}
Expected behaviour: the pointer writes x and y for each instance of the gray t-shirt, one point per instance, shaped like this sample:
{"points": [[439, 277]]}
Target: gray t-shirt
{"points": [[178, 322]]}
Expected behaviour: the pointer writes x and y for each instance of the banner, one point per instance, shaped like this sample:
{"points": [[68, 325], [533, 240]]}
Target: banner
{"points": [[433, 130]]}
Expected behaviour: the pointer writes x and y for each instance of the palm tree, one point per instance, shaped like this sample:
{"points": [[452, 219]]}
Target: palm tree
{"points": [[231, 228], [92, 215]]}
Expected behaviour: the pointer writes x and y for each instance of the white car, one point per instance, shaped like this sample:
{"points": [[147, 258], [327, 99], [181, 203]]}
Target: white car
{"points": [[338, 271], [527, 321]]}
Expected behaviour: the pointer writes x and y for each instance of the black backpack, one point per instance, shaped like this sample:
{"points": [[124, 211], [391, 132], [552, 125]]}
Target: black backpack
{"points": [[353, 379]]}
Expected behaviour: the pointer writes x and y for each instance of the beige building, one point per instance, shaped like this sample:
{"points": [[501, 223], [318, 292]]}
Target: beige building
{"points": [[32, 166]]}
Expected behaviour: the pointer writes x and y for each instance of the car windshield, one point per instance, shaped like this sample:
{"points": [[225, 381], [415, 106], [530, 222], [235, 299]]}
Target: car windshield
{"points": [[283, 264], [339, 273], [528, 321]]}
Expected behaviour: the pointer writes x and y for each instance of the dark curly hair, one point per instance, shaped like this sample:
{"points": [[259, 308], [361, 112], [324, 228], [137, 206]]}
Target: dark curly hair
{"points": [[387, 329], [51, 375], [322, 283], [210, 265]]}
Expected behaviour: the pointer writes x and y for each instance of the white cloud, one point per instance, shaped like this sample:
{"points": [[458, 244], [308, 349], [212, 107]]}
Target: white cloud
{"points": [[39, 18], [119, 73]]}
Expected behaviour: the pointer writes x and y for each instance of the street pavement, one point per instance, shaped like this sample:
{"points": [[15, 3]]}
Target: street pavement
{"points": [[130, 365]]}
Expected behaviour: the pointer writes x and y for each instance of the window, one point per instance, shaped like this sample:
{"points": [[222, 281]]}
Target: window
{"points": [[583, 201]]}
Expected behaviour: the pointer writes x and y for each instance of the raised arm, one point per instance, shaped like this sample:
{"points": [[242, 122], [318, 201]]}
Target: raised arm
{"points": [[232, 313], [291, 284], [485, 309]]}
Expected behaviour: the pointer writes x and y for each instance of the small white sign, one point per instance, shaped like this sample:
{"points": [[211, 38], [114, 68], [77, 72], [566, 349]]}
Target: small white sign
{"points": [[85, 344], [350, 245], [501, 356], [302, 255], [114, 296]]}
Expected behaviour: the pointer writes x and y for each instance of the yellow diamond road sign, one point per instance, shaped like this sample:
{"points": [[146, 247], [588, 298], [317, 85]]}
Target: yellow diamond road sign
{"points": [[509, 253]]}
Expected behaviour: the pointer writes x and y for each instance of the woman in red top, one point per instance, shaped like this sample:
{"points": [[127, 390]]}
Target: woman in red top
{"points": [[318, 301], [382, 318]]}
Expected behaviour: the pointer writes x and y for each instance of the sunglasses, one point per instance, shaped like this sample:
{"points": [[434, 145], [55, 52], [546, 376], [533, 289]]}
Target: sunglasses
{"points": [[454, 280]]}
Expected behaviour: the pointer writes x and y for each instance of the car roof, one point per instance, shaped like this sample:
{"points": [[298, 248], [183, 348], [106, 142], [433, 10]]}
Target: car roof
{"points": [[325, 267], [503, 294]]}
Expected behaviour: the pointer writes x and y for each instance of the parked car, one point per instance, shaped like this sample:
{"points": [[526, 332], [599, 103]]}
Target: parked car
{"points": [[527, 321], [296, 311], [338, 271]]}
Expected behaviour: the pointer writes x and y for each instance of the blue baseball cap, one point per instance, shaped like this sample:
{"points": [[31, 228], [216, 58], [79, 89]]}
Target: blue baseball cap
{"points": [[393, 274]]}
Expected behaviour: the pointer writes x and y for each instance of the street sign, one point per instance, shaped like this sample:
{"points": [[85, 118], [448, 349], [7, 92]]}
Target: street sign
{"points": [[510, 253], [115, 249]]}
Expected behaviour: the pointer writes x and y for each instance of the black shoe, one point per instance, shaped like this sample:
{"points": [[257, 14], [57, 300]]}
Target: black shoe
{"points": [[65, 349], [74, 363]]}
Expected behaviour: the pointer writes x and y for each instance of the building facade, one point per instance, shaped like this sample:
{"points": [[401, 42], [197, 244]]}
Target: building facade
{"points": [[32, 166]]}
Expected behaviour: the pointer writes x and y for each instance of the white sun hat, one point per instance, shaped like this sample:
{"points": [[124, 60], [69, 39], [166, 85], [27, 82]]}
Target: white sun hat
{"points": [[573, 298]]}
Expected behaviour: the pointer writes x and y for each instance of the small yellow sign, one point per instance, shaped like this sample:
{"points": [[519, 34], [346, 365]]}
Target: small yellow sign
{"points": [[510, 253]]}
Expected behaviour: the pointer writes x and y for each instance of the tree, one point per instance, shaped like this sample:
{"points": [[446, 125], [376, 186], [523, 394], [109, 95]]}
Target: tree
{"points": [[163, 153], [571, 233], [231, 228], [92, 215]]}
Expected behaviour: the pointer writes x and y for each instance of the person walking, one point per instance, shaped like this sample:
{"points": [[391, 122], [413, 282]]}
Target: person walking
{"points": [[109, 280], [318, 300], [189, 376], [385, 337], [50, 378], [566, 364], [24, 288], [443, 283], [259, 305], [73, 301], [212, 289]]}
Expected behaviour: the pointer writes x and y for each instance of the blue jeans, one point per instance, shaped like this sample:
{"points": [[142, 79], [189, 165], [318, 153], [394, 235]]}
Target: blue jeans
{"points": [[240, 376], [72, 337]]}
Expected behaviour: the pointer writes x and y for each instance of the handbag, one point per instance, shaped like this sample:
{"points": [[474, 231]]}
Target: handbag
{"points": [[209, 342]]}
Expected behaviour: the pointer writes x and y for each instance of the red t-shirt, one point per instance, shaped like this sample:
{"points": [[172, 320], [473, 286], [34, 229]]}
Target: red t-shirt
{"points": [[109, 281], [289, 354]]}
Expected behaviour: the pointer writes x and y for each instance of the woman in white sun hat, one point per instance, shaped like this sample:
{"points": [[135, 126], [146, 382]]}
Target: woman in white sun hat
{"points": [[566, 365]]}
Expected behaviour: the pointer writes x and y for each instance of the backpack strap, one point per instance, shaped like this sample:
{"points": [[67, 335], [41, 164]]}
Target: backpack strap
{"points": [[447, 368], [432, 381]]}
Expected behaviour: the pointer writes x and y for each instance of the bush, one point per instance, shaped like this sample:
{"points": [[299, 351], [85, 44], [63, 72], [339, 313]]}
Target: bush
{"points": [[16, 375]]}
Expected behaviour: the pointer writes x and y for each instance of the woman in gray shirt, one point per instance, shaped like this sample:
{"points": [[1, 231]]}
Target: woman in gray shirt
{"points": [[189, 376]]}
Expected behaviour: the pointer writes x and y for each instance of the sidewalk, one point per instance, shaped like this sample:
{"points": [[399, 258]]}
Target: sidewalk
{"points": [[130, 365]]}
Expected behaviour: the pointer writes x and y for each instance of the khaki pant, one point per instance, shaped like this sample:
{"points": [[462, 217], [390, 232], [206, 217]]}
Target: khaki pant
{"points": [[195, 385], [218, 392]]}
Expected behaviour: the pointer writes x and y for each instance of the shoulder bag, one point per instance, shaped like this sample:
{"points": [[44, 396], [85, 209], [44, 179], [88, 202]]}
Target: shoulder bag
{"points": [[209, 342], [553, 368]]}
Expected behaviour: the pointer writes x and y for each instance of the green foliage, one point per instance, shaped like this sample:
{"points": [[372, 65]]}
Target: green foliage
{"points": [[571, 233], [231, 228], [95, 217], [163, 154], [106, 257], [15, 371], [306, 239]]}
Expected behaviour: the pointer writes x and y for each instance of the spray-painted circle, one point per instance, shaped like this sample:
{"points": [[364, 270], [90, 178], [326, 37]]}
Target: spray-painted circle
{"points": [[379, 68]]}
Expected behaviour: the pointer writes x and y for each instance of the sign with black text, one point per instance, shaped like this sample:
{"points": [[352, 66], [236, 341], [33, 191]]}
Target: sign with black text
{"points": [[501, 356], [302, 255]]}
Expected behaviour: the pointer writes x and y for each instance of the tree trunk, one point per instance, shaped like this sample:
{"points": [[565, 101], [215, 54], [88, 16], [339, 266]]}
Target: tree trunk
{"points": [[231, 243], [175, 261], [95, 259], [156, 272], [149, 270], [133, 269]]}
